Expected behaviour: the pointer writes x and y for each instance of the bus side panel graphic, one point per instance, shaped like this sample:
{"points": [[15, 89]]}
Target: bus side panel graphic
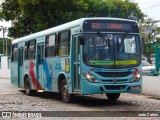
{"points": [[48, 74], [32, 74]]}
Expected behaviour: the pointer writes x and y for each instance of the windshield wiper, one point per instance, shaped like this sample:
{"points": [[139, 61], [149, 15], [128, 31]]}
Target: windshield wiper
{"points": [[124, 36]]}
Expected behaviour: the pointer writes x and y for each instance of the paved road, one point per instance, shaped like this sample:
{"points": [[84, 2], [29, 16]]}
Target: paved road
{"points": [[14, 99]]}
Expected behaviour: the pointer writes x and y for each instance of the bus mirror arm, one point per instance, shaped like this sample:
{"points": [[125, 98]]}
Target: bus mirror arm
{"points": [[81, 40]]}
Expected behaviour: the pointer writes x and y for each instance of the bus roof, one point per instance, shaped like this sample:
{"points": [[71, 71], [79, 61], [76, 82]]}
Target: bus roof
{"points": [[68, 25]]}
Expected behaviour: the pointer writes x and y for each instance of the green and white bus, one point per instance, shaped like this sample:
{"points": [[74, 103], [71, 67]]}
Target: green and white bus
{"points": [[85, 56]]}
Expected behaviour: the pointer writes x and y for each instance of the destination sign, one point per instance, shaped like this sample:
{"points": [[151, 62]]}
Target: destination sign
{"points": [[110, 26]]}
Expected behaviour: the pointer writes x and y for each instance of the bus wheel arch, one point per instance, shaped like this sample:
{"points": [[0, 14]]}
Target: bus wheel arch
{"points": [[63, 89], [61, 77]]}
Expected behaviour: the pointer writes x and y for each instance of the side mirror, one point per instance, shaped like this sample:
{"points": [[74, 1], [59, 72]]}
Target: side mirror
{"points": [[81, 40]]}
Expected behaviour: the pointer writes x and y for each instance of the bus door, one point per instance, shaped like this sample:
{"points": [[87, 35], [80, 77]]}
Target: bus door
{"points": [[20, 67], [40, 56], [76, 63]]}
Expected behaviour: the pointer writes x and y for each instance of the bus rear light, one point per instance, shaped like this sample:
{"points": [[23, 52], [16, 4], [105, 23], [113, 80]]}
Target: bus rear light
{"points": [[136, 87]]}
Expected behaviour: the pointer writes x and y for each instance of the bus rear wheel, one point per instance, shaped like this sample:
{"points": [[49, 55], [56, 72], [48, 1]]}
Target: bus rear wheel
{"points": [[112, 96], [28, 87], [66, 97]]}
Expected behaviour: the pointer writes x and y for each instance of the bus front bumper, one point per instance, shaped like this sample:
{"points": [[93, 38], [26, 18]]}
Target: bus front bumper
{"points": [[99, 88]]}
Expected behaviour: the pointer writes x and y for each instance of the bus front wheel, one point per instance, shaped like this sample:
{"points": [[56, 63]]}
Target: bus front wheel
{"points": [[112, 96], [28, 87], [66, 97]]}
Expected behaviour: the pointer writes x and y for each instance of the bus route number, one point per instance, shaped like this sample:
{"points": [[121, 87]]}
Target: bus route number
{"points": [[95, 25]]}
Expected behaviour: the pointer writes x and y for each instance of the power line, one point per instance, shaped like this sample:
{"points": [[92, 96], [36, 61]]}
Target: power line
{"points": [[149, 3], [153, 7]]}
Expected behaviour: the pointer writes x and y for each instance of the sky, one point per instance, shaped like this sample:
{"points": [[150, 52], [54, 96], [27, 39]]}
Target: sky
{"points": [[149, 7], [4, 24]]}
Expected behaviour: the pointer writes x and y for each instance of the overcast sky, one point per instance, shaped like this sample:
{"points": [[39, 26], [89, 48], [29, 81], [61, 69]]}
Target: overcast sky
{"points": [[150, 8]]}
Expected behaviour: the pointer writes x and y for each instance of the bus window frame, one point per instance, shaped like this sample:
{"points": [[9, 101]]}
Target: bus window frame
{"points": [[25, 50], [13, 56], [60, 43], [31, 50], [54, 46]]}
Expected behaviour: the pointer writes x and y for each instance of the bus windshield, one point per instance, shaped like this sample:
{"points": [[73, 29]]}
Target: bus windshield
{"points": [[111, 50]]}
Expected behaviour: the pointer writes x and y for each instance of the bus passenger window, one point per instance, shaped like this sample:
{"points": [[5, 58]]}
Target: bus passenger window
{"points": [[63, 47], [50, 46], [31, 50], [15, 53]]}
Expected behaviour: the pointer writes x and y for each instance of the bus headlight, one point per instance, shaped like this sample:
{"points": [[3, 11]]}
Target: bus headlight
{"points": [[136, 78], [90, 77]]}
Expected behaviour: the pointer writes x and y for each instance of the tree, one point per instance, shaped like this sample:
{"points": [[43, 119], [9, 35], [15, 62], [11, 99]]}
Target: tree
{"points": [[115, 8], [151, 25], [8, 51], [37, 15], [153, 34]]}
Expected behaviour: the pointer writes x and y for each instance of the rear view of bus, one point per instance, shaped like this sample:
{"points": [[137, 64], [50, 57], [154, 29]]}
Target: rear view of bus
{"points": [[111, 57]]}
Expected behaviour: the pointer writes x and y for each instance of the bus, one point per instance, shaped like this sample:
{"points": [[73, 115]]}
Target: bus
{"points": [[83, 57]]}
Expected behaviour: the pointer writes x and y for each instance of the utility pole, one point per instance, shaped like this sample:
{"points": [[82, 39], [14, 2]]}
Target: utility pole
{"points": [[4, 30]]}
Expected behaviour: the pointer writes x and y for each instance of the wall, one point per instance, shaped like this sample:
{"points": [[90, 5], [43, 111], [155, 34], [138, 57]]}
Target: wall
{"points": [[4, 70], [151, 86]]}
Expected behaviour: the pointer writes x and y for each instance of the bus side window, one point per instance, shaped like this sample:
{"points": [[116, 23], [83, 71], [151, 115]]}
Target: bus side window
{"points": [[15, 53], [63, 45], [31, 49], [50, 46]]}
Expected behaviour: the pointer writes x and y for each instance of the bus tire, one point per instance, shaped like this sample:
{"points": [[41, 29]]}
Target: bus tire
{"points": [[112, 96], [66, 97], [28, 87]]}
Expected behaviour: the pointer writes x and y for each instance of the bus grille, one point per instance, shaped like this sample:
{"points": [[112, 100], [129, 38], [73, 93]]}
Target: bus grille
{"points": [[118, 81], [112, 87], [113, 74]]}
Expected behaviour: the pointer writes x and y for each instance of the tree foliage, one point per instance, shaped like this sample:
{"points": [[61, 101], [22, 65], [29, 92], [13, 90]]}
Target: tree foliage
{"points": [[37, 15], [152, 25], [152, 36], [6, 42], [115, 8]]}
